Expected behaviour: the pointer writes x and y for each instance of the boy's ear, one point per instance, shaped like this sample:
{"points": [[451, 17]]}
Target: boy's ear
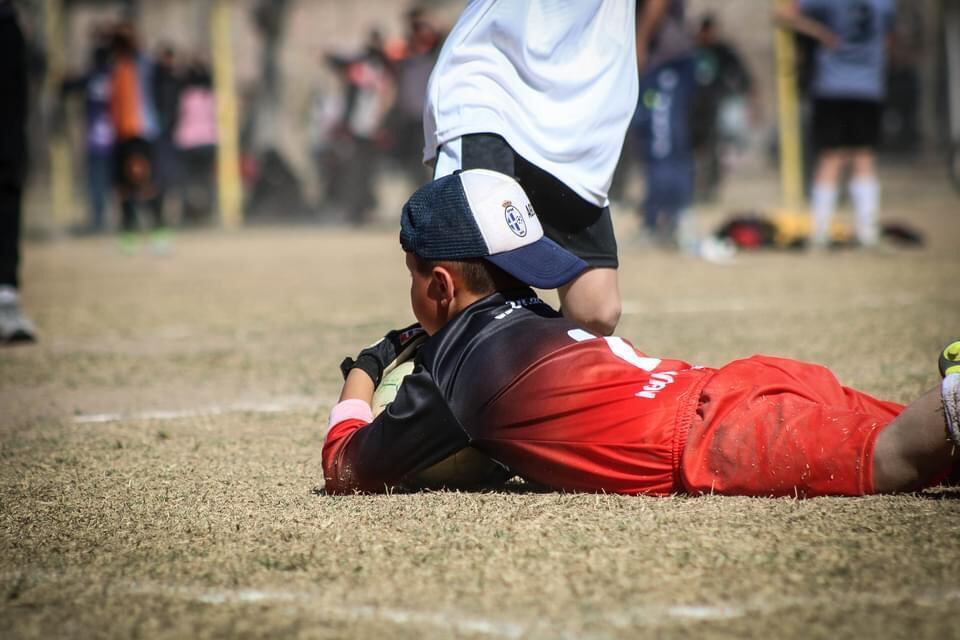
{"points": [[443, 284]]}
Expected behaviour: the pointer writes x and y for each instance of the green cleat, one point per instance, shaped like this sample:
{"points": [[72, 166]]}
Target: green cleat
{"points": [[129, 243]]}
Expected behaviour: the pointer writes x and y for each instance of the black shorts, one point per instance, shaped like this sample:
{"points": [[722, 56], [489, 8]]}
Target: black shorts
{"points": [[580, 227], [843, 124]]}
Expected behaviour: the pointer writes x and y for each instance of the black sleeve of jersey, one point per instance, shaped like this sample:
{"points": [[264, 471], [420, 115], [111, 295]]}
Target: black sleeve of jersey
{"points": [[415, 431]]}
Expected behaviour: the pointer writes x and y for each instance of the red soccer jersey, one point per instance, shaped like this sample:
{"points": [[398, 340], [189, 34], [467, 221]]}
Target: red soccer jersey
{"points": [[556, 405]]}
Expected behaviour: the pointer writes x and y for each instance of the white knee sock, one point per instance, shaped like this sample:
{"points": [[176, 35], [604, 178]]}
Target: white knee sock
{"points": [[950, 393], [865, 194], [823, 201]]}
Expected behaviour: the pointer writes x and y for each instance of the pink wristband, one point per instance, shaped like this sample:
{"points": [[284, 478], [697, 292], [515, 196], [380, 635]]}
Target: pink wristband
{"points": [[350, 409]]}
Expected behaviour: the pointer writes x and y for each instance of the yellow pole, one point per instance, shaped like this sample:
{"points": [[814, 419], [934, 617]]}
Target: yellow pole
{"points": [[791, 169], [228, 154], [61, 171]]}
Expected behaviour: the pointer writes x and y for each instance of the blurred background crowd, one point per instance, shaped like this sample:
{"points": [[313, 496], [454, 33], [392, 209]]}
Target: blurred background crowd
{"points": [[330, 96]]}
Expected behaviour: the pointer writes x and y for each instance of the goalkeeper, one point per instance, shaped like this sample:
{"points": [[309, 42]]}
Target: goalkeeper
{"points": [[504, 373]]}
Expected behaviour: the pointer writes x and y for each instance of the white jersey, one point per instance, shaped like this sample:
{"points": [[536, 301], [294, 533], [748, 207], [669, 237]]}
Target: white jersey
{"points": [[556, 78]]}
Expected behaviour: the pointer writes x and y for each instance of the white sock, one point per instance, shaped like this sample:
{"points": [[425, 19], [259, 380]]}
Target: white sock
{"points": [[687, 234], [865, 194], [823, 201], [8, 294], [950, 394]]}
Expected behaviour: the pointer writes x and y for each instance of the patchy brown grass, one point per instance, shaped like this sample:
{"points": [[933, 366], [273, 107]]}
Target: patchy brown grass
{"points": [[206, 523]]}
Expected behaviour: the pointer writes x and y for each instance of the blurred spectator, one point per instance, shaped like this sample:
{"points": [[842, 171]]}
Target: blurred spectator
{"points": [[901, 109], [662, 123], [326, 115], [848, 92], [14, 324], [405, 120], [99, 135], [165, 87], [196, 142], [724, 104], [368, 95], [135, 122]]}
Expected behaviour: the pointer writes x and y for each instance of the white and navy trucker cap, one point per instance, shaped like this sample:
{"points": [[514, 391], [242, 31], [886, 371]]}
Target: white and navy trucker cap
{"points": [[485, 214]]}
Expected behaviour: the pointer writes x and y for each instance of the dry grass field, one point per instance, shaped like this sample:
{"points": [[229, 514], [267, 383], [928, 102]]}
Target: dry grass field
{"points": [[160, 455]]}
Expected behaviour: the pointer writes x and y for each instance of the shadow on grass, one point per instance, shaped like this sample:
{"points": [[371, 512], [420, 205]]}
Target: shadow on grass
{"points": [[515, 485]]}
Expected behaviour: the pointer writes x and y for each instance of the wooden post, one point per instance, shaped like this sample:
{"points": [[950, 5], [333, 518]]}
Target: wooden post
{"points": [[58, 146], [228, 148], [791, 165]]}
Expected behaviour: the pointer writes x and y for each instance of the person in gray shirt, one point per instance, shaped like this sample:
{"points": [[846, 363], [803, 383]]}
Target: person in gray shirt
{"points": [[848, 92]]}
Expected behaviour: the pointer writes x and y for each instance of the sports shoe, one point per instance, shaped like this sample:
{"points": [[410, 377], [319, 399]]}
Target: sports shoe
{"points": [[14, 325], [950, 359]]}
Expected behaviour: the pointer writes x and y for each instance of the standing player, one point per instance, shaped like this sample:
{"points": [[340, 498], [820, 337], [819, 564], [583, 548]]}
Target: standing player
{"points": [[136, 126], [848, 89], [543, 90], [504, 373], [14, 325]]}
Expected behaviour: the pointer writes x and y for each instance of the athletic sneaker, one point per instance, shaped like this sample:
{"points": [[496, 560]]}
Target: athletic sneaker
{"points": [[14, 325]]}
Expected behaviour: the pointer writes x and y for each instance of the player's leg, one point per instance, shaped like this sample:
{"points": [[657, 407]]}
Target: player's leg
{"points": [[823, 196], [865, 196], [862, 131], [829, 138], [921, 444], [914, 450], [125, 185], [593, 300]]}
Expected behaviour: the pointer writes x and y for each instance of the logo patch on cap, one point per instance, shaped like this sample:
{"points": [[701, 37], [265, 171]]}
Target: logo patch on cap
{"points": [[514, 219]]}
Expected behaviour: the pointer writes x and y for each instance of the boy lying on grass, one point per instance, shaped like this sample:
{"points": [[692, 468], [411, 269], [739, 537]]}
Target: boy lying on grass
{"points": [[504, 373]]}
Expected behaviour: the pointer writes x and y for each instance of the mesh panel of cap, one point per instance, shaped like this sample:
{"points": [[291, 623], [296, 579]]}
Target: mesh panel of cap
{"points": [[436, 223]]}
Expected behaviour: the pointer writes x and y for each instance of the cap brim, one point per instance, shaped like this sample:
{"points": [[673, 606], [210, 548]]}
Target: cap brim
{"points": [[543, 264]]}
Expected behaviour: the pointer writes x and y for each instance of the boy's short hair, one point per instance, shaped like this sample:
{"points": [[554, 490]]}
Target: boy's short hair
{"points": [[477, 275], [482, 214]]}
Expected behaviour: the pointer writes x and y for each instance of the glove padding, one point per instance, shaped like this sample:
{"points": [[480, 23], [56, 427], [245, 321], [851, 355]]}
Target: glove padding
{"points": [[382, 356]]}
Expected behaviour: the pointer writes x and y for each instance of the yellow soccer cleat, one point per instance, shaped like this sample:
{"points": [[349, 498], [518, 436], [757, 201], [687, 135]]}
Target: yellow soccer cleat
{"points": [[950, 359]]}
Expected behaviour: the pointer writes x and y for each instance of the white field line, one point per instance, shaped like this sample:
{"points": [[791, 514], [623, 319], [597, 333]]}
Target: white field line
{"points": [[706, 306], [446, 620], [652, 615], [278, 405]]}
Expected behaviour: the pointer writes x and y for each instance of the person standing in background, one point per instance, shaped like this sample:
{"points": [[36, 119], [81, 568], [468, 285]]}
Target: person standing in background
{"points": [[724, 104], [165, 85], [370, 91], [662, 122], [195, 138], [405, 120], [95, 86], [135, 122], [14, 325], [848, 91]]}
